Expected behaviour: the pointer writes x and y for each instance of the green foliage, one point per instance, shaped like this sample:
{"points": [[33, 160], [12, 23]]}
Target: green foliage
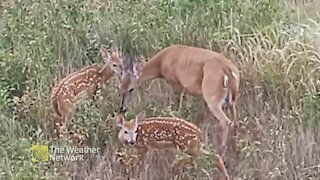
{"points": [[167, 22], [311, 108], [312, 103], [16, 163]]}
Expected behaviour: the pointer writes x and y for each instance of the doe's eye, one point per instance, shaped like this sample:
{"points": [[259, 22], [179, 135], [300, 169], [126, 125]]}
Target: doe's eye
{"points": [[126, 132], [114, 65], [130, 90]]}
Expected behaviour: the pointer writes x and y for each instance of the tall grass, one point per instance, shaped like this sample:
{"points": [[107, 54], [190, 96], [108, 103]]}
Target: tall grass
{"points": [[274, 47]]}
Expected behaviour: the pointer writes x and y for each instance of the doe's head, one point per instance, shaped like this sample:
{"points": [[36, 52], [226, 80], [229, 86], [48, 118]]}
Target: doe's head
{"points": [[129, 82], [113, 59], [129, 129]]}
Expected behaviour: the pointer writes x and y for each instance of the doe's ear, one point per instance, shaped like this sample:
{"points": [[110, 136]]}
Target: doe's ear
{"points": [[140, 118], [119, 119]]}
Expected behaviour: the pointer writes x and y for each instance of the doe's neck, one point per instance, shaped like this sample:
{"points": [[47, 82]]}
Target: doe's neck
{"points": [[151, 70]]}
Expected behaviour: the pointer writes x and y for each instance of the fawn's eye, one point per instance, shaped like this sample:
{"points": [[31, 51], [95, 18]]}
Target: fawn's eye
{"points": [[126, 132], [130, 90], [114, 65]]}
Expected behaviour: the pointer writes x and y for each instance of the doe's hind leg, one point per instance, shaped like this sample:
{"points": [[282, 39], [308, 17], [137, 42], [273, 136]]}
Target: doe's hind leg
{"points": [[214, 94]]}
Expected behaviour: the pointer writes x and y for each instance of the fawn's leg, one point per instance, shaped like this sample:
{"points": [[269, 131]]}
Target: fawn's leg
{"points": [[220, 165], [137, 161], [217, 160], [63, 126], [93, 93], [193, 150]]}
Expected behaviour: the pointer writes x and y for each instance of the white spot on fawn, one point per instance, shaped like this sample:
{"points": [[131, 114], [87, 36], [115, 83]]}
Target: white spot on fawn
{"points": [[225, 81]]}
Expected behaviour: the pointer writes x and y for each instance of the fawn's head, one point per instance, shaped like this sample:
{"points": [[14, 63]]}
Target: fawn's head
{"points": [[113, 59], [129, 129], [129, 82]]}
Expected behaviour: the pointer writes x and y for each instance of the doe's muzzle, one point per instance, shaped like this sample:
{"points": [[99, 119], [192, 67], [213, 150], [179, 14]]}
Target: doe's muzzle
{"points": [[122, 107]]}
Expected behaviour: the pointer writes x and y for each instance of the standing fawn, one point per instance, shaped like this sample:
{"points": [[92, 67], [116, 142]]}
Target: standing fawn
{"points": [[165, 133], [198, 71], [83, 84]]}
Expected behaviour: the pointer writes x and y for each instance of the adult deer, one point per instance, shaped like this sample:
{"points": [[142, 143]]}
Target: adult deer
{"points": [[198, 71], [84, 84], [144, 134]]}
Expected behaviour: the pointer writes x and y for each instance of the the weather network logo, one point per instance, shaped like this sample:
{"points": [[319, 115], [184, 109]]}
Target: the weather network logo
{"points": [[44, 153], [40, 153]]}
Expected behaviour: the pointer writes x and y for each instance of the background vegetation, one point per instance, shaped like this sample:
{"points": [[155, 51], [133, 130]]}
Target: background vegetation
{"points": [[274, 43]]}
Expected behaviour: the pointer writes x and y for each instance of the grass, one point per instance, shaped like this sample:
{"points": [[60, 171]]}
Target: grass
{"points": [[275, 46]]}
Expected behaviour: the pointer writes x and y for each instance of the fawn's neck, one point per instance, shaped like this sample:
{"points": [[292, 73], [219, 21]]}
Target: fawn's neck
{"points": [[106, 73]]}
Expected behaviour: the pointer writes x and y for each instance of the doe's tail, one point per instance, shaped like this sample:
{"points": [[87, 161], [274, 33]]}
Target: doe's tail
{"points": [[231, 82]]}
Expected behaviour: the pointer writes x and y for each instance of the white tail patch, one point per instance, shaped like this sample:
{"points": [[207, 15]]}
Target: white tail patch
{"points": [[225, 81], [234, 75]]}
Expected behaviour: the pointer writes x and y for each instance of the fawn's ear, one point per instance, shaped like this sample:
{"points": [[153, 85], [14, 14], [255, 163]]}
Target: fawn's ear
{"points": [[140, 118], [105, 53], [119, 119]]}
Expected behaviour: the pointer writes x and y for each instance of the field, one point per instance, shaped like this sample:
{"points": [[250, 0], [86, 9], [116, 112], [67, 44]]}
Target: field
{"points": [[275, 44]]}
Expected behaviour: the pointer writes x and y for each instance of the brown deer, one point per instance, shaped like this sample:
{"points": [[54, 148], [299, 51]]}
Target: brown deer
{"points": [[198, 71], [144, 134], [84, 84]]}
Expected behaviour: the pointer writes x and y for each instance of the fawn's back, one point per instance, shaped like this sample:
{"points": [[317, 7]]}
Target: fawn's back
{"points": [[160, 132], [165, 132], [72, 85]]}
